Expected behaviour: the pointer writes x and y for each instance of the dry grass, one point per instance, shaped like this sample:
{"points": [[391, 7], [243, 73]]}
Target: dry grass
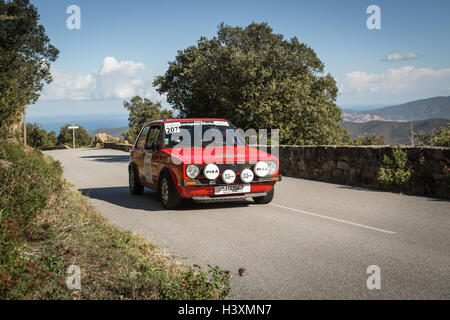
{"points": [[47, 225], [114, 264]]}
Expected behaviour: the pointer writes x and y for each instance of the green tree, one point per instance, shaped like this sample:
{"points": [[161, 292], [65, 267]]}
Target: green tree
{"points": [[39, 138], [53, 139], [256, 79], [82, 137], [141, 112], [442, 139], [370, 140], [423, 138], [25, 56]]}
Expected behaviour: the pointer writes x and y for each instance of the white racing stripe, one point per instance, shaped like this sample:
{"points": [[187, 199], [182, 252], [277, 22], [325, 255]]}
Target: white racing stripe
{"points": [[330, 218]]}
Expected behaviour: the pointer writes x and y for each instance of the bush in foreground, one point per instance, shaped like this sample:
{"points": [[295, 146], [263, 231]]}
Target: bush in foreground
{"points": [[47, 226]]}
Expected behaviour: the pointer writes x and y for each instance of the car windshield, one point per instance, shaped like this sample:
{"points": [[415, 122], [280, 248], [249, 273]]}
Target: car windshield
{"points": [[185, 134]]}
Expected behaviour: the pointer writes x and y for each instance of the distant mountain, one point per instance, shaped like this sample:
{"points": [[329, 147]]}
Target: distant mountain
{"points": [[115, 132], [437, 107], [395, 132]]}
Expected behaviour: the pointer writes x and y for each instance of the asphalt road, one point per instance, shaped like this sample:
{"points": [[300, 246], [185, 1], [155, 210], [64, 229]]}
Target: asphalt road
{"points": [[314, 241]]}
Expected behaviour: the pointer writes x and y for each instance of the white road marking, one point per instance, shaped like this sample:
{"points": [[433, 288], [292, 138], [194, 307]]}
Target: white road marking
{"points": [[330, 218]]}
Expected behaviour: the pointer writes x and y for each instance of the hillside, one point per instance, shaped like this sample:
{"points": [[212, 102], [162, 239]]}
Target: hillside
{"points": [[436, 107], [115, 132], [395, 132]]}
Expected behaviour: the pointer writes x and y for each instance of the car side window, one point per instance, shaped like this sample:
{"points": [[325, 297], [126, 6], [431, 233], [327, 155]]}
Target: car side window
{"points": [[153, 137], [140, 144]]}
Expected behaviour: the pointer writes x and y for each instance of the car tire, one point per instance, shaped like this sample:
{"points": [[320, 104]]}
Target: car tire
{"points": [[133, 181], [265, 199], [168, 194]]}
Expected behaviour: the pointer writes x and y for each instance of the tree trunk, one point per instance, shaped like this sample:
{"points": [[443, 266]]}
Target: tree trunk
{"points": [[25, 126], [16, 124]]}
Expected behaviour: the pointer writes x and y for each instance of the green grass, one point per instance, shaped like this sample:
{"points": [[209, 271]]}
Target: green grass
{"points": [[47, 225]]}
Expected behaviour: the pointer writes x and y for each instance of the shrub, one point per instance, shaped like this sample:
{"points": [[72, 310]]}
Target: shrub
{"points": [[45, 223], [26, 181], [395, 172], [442, 139], [371, 140], [40, 138], [212, 284]]}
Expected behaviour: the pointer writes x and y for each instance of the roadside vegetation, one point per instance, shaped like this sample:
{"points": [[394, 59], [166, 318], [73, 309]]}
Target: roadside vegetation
{"points": [[41, 139], [46, 225], [82, 137], [25, 57], [398, 174], [369, 140], [142, 110], [395, 171], [440, 139]]}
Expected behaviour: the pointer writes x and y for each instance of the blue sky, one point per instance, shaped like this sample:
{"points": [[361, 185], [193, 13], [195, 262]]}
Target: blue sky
{"points": [[122, 45]]}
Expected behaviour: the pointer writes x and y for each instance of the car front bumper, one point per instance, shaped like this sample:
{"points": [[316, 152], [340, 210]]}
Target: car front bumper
{"points": [[228, 197], [204, 190]]}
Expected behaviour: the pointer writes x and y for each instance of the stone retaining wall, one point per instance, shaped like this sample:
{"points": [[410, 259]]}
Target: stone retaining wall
{"points": [[360, 165], [118, 146]]}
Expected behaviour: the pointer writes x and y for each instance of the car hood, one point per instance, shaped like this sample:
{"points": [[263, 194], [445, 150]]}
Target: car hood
{"points": [[218, 154]]}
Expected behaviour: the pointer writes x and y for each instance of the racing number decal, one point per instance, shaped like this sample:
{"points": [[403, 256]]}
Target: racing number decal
{"points": [[172, 127], [148, 167]]}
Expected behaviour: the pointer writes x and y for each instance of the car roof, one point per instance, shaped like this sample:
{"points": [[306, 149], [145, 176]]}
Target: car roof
{"points": [[185, 119]]}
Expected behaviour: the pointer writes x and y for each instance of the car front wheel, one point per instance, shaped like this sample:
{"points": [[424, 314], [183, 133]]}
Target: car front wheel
{"points": [[169, 196], [265, 199], [133, 181]]}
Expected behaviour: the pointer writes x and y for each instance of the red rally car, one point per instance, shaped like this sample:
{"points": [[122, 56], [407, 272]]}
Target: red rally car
{"points": [[200, 159]]}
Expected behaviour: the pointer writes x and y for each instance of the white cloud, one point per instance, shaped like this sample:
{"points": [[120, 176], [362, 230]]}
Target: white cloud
{"points": [[404, 80], [129, 68], [395, 56], [114, 80]]}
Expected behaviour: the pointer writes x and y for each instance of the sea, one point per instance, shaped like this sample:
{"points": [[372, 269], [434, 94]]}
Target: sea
{"points": [[89, 122]]}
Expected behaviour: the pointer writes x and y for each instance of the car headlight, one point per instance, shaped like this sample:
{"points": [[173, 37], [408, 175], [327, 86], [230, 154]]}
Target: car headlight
{"points": [[228, 176], [192, 171], [272, 167], [211, 171], [247, 175], [261, 169]]}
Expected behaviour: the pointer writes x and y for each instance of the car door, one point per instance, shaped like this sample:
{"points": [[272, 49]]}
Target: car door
{"points": [[139, 150], [152, 155]]}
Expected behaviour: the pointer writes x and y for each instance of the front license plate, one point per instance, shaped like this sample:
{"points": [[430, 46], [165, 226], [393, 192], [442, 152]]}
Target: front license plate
{"points": [[242, 188]]}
